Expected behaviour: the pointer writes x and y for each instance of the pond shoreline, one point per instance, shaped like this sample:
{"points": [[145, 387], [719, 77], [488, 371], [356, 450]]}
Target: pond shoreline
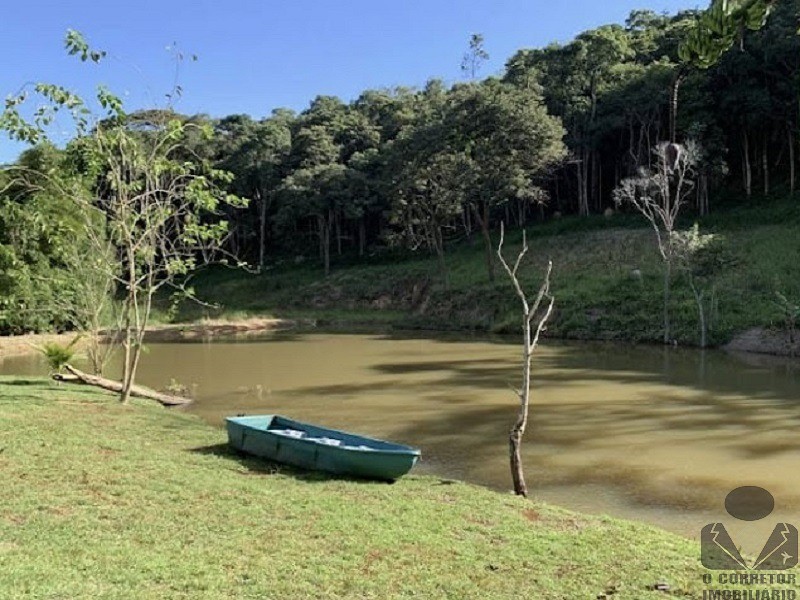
{"points": [[756, 340], [188, 497], [21, 345], [446, 390]]}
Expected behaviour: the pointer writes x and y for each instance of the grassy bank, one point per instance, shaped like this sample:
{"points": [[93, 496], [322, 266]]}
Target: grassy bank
{"points": [[607, 282], [104, 501]]}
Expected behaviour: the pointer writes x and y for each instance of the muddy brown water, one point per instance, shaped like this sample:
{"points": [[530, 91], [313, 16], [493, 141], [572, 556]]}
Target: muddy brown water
{"points": [[659, 435]]}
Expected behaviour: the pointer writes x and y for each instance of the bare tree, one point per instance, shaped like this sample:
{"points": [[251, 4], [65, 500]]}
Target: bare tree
{"points": [[162, 219], [154, 214], [659, 193], [428, 202], [697, 256], [534, 317], [92, 306], [474, 57]]}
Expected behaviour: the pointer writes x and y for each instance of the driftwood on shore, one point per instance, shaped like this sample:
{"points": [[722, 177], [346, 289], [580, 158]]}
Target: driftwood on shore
{"points": [[77, 376]]}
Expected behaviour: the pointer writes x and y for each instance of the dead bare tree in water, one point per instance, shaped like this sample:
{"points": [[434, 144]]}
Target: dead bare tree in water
{"points": [[534, 318]]}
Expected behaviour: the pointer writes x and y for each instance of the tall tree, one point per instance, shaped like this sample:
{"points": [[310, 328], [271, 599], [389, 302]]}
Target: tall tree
{"points": [[256, 153], [159, 211], [512, 143], [535, 314], [659, 194], [474, 57]]}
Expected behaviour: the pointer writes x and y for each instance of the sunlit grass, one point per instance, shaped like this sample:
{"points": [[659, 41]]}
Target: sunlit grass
{"points": [[104, 501]]}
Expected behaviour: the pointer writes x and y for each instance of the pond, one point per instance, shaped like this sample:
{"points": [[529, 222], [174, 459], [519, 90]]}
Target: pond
{"points": [[654, 434]]}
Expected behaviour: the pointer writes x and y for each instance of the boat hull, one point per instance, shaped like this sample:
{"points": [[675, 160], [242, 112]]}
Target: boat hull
{"points": [[356, 456]]}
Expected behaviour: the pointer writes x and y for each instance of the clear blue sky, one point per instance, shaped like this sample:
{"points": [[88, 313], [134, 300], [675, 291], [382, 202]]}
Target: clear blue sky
{"points": [[256, 55]]}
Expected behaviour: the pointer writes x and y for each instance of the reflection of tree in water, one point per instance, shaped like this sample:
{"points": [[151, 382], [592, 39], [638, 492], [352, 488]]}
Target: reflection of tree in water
{"points": [[603, 414], [715, 413]]}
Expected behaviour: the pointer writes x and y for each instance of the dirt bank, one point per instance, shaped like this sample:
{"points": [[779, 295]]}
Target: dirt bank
{"points": [[17, 345], [761, 340]]}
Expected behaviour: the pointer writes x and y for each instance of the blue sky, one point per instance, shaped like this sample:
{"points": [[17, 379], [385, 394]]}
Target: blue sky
{"points": [[258, 55]]}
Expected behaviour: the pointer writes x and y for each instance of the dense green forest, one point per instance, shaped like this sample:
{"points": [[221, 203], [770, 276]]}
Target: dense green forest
{"points": [[420, 169]]}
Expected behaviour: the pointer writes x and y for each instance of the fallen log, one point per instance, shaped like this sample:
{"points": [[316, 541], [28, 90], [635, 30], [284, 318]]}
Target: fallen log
{"points": [[77, 376]]}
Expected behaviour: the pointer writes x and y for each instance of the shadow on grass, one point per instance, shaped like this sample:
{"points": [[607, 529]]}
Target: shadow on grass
{"points": [[40, 382], [254, 465]]}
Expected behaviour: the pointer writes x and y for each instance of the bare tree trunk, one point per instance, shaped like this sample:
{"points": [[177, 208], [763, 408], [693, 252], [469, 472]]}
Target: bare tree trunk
{"points": [[326, 245], [131, 306], [115, 386], [790, 139], [438, 243], [141, 320], [558, 196], [483, 222], [126, 345], [125, 391], [583, 203], [703, 190], [338, 225], [596, 182], [765, 165], [634, 156], [321, 237], [585, 182], [262, 238], [362, 236], [701, 313], [591, 199], [530, 341], [667, 280], [673, 105], [324, 235], [234, 240], [599, 186], [518, 430], [137, 350], [746, 171]]}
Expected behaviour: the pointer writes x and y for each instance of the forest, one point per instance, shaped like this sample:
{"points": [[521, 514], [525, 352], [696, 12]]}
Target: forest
{"points": [[409, 169]]}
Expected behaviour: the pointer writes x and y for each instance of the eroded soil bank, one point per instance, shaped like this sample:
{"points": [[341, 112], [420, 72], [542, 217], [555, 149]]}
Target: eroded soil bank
{"points": [[18, 345]]}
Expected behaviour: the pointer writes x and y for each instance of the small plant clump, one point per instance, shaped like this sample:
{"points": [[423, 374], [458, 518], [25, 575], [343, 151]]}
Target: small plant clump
{"points": [[59, 355]]}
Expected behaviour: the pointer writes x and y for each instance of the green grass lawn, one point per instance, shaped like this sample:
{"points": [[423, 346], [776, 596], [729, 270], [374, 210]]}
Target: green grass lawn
{"points": [[607, 282], [104, 501]]}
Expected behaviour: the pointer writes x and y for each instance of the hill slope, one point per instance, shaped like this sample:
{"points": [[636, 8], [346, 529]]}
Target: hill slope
{"points": [[607, 281]]}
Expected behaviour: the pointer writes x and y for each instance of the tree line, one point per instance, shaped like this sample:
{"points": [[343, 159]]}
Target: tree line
{"points": [[553, 134]]}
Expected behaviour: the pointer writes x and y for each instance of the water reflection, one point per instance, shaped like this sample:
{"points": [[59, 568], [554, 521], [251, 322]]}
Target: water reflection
{"points": [[656, 434]]}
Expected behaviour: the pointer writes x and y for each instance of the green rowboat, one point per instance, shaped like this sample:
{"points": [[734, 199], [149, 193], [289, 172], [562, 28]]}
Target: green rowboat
{"points": [[318, 448]]}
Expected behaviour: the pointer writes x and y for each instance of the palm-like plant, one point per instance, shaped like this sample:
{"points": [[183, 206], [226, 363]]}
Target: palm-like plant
{"points": [[58, 355]]}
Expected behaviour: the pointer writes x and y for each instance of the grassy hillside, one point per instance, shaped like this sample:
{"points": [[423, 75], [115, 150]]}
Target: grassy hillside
{"points": [[607, 282], [104, 501]]}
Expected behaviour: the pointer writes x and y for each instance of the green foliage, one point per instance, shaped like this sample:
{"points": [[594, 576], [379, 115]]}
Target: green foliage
{"points": [[41, 231], [719, 26], [58, 355], [606, 278], [176, 388], [401, 167], [789, 311], [76, 44], [474, 57]]}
